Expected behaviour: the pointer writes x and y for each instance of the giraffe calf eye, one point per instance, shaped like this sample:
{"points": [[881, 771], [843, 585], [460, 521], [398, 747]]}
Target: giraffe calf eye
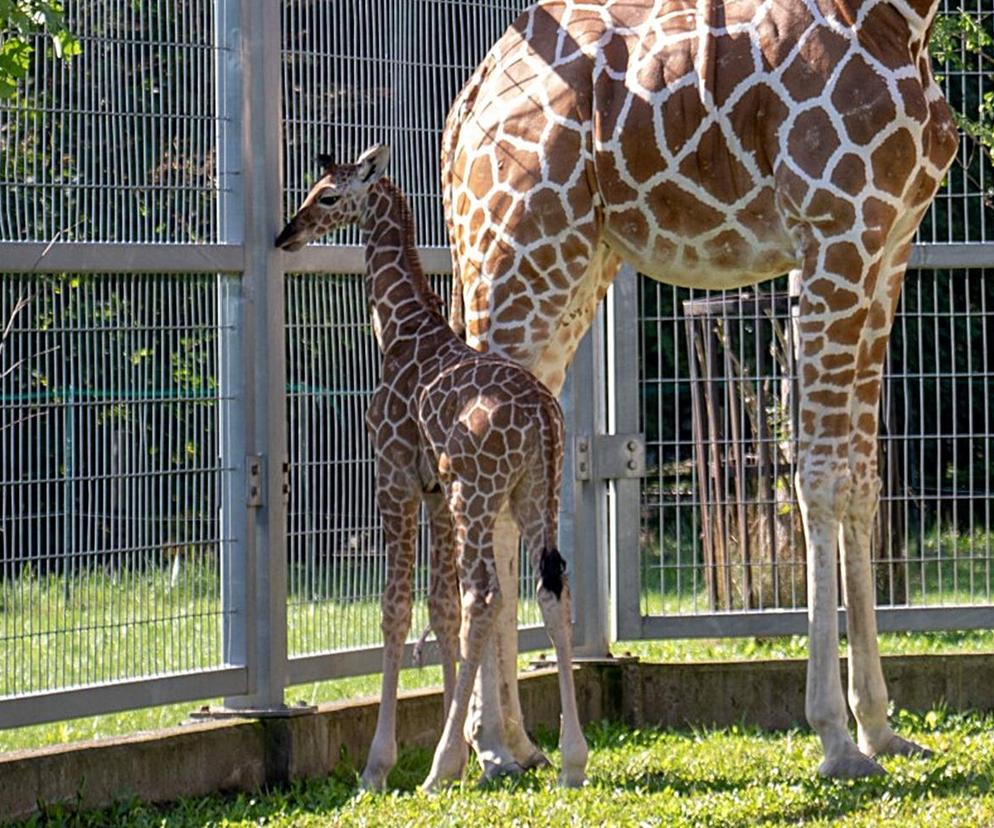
{"points": [[328, 200]]}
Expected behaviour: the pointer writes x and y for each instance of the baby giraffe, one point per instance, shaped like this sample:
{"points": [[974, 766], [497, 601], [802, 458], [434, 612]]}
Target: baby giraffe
{"points": [[467, 433]]}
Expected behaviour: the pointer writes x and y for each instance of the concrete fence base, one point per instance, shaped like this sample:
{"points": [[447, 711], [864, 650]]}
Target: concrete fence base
{"points": [[243, 755]]}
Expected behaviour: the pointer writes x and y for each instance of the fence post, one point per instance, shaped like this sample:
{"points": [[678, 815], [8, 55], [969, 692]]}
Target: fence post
{"points": [[590, 550], [253, 370], [625, 513]]}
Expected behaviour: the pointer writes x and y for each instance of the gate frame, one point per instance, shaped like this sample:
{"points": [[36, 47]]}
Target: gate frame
{"points": [[628, 620]]}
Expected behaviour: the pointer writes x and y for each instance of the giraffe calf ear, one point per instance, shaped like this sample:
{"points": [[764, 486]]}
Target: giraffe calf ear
{"points": [[373, 163]]}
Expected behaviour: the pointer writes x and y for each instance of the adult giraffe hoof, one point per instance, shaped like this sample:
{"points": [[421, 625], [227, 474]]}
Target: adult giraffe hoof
{"points": [[493, 771], [850, 765], [372, 780], [572, 778], [895, 745]]}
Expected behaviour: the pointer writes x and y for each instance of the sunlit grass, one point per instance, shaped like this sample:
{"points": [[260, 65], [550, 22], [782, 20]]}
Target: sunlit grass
{"points": [[722, 779]]}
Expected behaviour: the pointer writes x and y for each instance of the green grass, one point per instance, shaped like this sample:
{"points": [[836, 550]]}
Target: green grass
{"points": [[722, 779]]}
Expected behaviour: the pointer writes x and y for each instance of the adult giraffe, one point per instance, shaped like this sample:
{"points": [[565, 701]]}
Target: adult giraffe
{"points": [[711, 144]]}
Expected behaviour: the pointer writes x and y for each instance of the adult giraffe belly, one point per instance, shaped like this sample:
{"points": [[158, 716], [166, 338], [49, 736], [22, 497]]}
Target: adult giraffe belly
{"points": [[684, 145], [675, 236]]}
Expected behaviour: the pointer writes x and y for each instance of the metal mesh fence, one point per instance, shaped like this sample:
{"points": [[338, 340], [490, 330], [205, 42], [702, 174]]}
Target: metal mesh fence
{"points": [[359, 72], [109, 474], [118, 144], [110, 482], [720, 524]]}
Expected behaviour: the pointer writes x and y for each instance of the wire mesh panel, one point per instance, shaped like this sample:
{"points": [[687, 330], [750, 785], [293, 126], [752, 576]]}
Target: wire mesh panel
{"points": [[109, 536], [117, 144], [359, 72], [720, 524]]}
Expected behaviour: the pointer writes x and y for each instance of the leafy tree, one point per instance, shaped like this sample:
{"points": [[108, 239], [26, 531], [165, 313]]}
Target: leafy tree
{"points": [[965, 42], [23, 20]]}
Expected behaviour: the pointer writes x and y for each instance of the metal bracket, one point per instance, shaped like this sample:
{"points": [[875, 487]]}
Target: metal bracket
{"points": [[609, 457], [212, 713], [255, 481]]}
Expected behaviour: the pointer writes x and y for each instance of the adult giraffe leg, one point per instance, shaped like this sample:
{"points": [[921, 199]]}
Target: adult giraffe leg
{"points": [[400, 533], [481, 599], [443, 595], [827, 337], [867, 689]]}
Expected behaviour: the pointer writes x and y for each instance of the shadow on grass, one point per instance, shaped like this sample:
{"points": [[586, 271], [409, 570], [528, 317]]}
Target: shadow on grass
{"points": [[707, 779]]}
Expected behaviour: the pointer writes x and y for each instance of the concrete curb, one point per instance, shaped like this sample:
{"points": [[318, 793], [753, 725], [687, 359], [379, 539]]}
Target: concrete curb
{"points": [[243, 755]]}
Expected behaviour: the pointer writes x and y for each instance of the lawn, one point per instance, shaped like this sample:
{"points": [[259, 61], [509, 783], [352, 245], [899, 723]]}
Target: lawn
{"points": [[731, 777]]}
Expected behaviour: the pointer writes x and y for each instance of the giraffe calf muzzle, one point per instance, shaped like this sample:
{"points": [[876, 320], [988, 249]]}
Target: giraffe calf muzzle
{"points": [[289, 238]]}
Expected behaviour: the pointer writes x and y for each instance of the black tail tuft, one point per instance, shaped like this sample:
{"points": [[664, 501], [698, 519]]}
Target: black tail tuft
{"points": [[552, 567]]}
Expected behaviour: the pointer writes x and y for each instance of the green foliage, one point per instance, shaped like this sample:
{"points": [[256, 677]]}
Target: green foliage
{"points": [[23, 20], [964, 42]]}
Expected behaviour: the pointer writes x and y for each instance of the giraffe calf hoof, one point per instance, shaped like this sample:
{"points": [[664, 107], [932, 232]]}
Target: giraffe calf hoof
{"points": [[493, 771], [850, 765], [898, 746]]}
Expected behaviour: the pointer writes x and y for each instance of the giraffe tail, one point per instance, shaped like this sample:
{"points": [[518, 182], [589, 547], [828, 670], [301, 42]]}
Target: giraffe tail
{"points": [[552, 565], [418, 653], [460, 110]]}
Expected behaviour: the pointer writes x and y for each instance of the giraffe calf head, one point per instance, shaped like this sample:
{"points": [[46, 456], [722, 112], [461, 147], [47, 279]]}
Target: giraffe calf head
{"points": [[339, 198]]}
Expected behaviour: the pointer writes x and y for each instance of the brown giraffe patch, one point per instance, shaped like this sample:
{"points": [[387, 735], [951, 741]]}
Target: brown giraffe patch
{"points": [[733, 63], [682, 113], [759, 214], [893, 162], [639, 146], [885, 34], [714, 168], [812, 141], [862, 97], [727, 249], [563, 165], [913, 99], [847, 329], [609, 180], [845, 259], [756, 119], [832, 214], [878, 217], [849, 174], [817, 57], [778, 32], [682, 211], [834, 297]]}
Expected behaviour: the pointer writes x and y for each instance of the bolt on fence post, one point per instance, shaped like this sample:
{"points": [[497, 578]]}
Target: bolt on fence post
{"points": [[253, 439]]}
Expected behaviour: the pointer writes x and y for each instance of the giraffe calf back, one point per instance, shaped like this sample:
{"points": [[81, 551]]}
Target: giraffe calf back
{"points": [[493, 436]]}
